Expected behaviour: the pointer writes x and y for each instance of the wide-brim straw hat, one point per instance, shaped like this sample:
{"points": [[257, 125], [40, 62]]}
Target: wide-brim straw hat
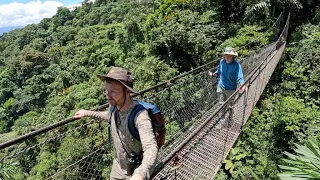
{"points": [[230, 51], [121, 75]]}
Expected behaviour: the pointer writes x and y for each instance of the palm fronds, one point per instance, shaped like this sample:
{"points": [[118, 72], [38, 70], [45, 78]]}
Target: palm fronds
{"points": [[262, 6], [305, 163], [291, 4], [7, 170]]}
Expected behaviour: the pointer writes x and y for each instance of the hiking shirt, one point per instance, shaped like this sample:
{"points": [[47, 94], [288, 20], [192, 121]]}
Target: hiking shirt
{"points": [[230, 74], [148, 144]]}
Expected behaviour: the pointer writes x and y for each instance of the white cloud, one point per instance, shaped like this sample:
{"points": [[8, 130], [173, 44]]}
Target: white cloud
{"points": [[73, 6], [19, 14]]}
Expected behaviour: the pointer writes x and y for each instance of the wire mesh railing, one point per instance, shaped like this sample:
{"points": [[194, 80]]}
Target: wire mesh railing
{"points": [[78, 149]]}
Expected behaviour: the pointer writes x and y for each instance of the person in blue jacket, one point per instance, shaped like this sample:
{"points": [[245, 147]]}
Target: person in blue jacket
{"points": [[230, 73]]}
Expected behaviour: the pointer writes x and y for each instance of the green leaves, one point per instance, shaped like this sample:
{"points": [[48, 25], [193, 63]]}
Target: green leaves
{"points": [[63, 15], [7, 170], [247, 35], [230, 162], [184, 42], [267, 8], [45, 167], [228, 166], [262, 6], [301, 72], [305, 163], [149, 71]]}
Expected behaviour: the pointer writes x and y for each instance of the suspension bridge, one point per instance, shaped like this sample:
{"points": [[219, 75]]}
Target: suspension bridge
{"points": [[195, 148]]}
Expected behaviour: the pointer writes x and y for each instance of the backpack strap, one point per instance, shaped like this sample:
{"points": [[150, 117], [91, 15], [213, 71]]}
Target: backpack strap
{"points": [[133, 130], [153, 109], [111, 109]]}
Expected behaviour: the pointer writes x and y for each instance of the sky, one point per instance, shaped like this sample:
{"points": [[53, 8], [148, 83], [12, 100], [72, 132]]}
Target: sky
{"points": [[23, 12]]}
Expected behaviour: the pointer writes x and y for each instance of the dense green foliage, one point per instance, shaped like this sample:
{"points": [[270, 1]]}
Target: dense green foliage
{"points": [[48, 70]]}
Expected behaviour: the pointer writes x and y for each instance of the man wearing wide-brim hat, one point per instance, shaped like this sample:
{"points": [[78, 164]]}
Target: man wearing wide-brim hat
{"points": [[230, 74], [118, 83]]}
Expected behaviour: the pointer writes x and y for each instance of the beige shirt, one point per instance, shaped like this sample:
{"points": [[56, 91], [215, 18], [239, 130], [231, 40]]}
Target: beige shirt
{"points": [[148, 144]]}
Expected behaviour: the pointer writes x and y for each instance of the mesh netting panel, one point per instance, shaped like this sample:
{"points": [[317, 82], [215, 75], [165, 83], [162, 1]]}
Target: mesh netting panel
{"points": [[59, 154]]}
